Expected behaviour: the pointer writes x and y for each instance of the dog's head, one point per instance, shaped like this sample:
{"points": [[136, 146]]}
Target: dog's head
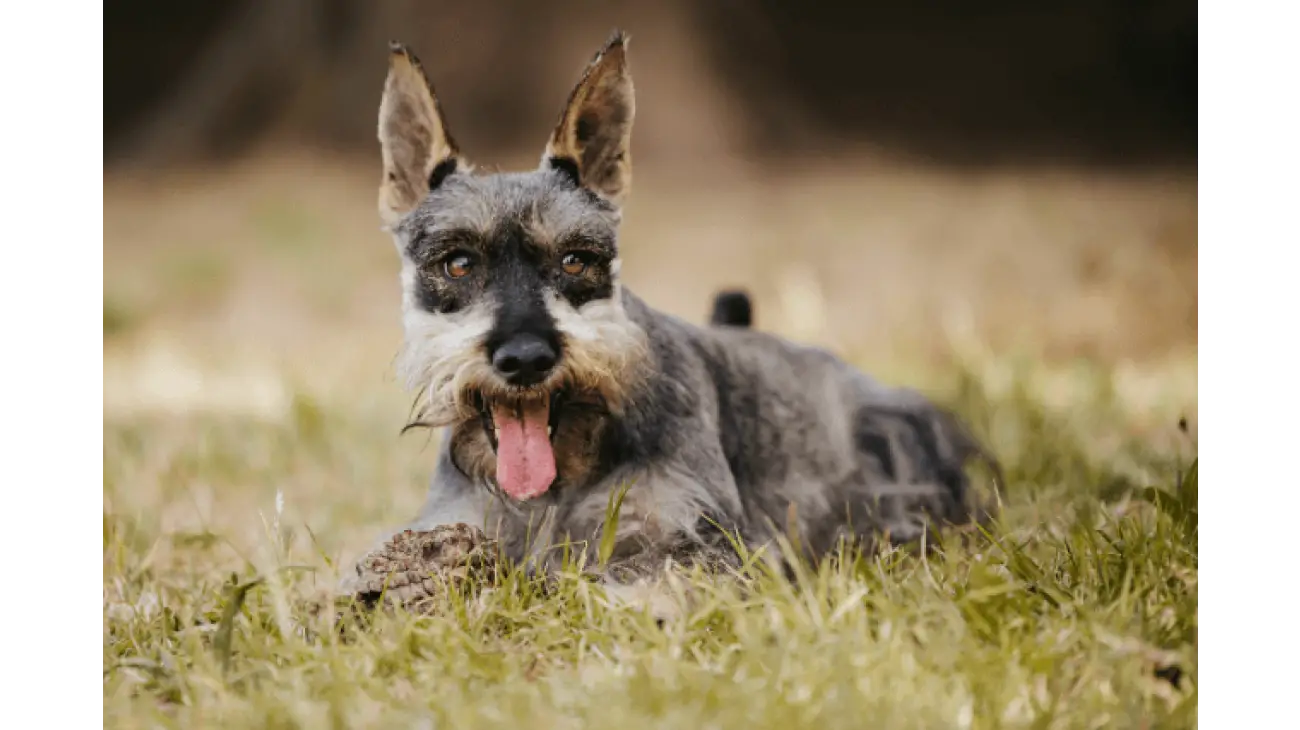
{"points": [[511, 303]]}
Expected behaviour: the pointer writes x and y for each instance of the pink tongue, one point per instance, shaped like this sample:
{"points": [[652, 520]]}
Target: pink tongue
{"points": [[525, 462]]}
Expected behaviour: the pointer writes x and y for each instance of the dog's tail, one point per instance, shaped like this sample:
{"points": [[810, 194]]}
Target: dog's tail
{"points": [[732, 308]]}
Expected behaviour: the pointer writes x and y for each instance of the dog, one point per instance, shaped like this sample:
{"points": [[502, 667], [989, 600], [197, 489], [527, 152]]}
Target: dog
{"points": [[563, 396]]}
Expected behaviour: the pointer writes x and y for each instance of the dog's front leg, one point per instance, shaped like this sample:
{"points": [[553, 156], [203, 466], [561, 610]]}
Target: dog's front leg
{"points": [[644, 580], [668, 521]]}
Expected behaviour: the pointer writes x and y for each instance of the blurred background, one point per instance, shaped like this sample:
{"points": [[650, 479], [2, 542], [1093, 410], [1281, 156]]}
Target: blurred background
{"points": [[902, 182]]}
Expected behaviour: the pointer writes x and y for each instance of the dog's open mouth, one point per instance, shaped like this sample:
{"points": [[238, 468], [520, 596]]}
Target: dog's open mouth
{"points": [[520, 431]]}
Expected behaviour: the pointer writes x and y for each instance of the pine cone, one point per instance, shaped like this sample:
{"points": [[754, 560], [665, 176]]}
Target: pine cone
{"points": [[414, 569]]}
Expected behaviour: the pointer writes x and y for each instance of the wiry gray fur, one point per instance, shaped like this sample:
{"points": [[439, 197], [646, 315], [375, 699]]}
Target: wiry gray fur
{"points": [[704, 426]]}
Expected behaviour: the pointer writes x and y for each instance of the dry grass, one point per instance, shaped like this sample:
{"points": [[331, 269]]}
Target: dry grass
{"points": [[250, 319]]}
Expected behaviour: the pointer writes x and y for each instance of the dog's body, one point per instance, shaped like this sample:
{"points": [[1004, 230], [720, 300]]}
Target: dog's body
{"points": [[743, 429], [557, 387]]}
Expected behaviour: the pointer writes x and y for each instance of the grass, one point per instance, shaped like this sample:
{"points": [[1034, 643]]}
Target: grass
{"points": [[1063, 616], [251, 448]]}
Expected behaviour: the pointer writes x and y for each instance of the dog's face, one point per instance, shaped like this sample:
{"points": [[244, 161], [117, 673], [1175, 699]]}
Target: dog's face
{"points": [[514, 327]]}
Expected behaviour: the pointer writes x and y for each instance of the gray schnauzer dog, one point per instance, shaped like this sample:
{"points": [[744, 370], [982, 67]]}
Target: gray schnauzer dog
{"points": [[556, 386]]}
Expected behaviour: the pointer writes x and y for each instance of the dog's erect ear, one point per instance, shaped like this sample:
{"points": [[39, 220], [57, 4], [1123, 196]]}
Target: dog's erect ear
{"points": [[418, 150], [591, 142]]}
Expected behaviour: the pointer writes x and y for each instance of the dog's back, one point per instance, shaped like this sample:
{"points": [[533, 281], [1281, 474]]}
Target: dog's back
{"points": [[807, 436]]}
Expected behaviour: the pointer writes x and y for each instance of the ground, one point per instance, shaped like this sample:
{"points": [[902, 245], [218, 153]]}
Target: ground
{"points": [[251, 446]]}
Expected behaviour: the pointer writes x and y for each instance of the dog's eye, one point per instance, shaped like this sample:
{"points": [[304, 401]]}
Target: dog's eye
{"points": [[573, 264], [457, 265]]}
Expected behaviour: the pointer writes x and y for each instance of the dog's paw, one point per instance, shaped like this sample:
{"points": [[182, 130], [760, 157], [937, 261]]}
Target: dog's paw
{"points": [[414, 568]]}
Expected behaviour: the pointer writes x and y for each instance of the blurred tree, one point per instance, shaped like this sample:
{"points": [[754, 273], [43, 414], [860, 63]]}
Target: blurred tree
{"points": [[1112, 80]]}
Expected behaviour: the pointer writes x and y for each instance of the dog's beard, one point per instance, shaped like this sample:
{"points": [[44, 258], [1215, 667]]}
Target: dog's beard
{"points": [[445, 358]]}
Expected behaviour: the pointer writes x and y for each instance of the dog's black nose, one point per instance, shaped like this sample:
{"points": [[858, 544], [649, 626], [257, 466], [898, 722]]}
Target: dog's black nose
{"points": [[524, 359]]}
